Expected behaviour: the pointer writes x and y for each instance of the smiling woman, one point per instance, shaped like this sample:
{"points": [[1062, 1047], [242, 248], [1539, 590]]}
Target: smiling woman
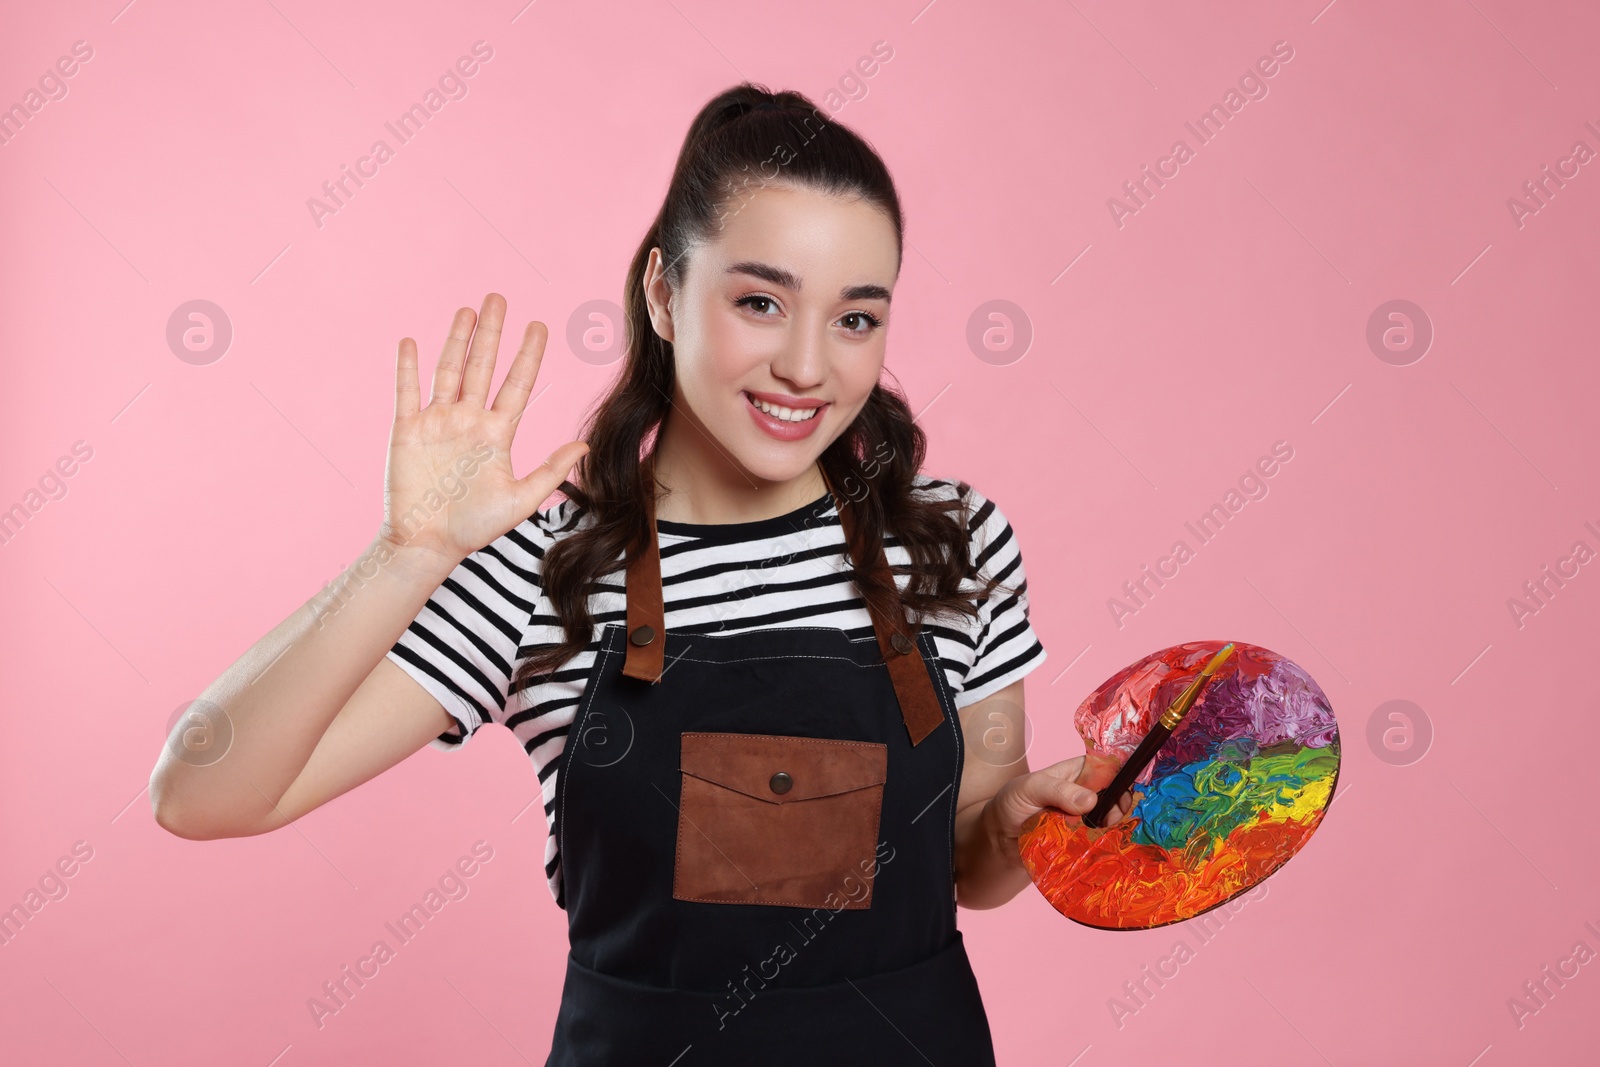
{"points": [[752, 394], [750, 656]]}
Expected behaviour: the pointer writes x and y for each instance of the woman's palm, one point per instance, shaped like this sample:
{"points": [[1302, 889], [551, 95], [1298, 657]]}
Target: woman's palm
{"points": [[449, 488]]}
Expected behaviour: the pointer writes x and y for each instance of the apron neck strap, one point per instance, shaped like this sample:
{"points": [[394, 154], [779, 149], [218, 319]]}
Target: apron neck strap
{"points": [[919, 704]]}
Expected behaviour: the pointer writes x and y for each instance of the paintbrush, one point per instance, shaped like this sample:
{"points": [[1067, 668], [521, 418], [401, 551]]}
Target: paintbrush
{"points": [[1159, 732]]}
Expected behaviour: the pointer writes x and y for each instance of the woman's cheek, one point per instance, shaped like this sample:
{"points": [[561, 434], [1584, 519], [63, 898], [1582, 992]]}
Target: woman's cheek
{"points": [[871, 371], [730, 350]]}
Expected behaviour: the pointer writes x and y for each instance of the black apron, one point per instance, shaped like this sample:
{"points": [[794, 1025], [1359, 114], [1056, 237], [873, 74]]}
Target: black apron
{"points": [[757, 847]]}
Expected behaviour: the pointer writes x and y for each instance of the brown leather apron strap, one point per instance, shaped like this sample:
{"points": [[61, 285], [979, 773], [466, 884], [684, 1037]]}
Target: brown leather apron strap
{"points": [[646, 612], [897, 638]]}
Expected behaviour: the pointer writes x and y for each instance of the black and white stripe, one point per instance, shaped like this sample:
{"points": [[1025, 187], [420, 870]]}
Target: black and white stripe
{"points": [[785, 571]]}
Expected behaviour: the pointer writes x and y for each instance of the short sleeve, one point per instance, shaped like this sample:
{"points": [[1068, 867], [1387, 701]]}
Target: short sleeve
{"points": [[1007, 646], [463, 645]]}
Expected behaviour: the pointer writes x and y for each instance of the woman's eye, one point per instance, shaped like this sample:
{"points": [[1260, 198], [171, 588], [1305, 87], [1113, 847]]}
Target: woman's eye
{"points": [[865, 322], [753, 299]]}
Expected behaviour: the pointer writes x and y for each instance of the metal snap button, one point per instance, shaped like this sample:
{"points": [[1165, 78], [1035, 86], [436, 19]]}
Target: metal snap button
{"points": [[781, 782], [902, 644], [642, 635]]}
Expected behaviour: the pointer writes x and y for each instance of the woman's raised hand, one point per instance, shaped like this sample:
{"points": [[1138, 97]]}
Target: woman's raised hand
{"points": [[448, 485]]}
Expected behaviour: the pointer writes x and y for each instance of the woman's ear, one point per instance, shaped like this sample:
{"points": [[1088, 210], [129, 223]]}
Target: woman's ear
{"points": [[658, 296]]}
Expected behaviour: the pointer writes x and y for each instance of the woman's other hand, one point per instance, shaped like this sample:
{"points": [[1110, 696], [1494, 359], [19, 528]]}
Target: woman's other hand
{"points": [[1072, 786]]}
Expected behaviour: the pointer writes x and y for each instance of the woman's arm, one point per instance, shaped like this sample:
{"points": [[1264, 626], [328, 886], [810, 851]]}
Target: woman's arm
{"points": [[310, 711], [998, 793], [315, 708]]}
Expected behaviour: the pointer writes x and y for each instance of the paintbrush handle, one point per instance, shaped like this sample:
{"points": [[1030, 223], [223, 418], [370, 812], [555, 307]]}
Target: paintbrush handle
{"points": [[1130, 770], [1160, 730]]}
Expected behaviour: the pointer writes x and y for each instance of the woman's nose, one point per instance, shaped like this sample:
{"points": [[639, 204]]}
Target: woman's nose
{"points": [[803, 358]]}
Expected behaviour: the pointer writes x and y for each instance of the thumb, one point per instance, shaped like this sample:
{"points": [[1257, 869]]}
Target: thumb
{"points": [[1047, 791], [533, 487]]}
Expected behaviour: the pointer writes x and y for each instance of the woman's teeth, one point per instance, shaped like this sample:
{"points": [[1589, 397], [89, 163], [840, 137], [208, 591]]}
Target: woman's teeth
{"points": [[786, 414]]}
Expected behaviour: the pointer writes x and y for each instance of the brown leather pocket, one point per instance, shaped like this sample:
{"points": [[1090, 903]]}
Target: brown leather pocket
{"points": [[772, 819]]}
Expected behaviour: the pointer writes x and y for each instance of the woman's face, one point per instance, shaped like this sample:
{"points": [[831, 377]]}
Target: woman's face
{"points": [[785, 306]]}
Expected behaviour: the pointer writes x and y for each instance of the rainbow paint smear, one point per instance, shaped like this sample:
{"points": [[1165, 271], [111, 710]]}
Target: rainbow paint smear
{"points": [[1234, 792]]}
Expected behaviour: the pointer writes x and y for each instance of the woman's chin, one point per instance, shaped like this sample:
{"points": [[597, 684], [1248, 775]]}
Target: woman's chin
{"points": [[774, 463], [777, 472]]}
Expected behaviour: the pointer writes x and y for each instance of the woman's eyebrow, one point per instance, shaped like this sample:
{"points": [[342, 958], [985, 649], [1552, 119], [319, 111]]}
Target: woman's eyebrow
{"points": [[787, 280]]}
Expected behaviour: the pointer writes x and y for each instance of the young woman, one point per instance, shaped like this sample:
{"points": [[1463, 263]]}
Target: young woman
{"points": [[769, 674]]}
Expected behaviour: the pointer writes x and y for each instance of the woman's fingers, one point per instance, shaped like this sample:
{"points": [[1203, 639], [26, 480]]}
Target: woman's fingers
{"points": [[405, 380], [540, 482], [447, 375], [1119, 810], [1074, 799], [1074, 785], [485, 344], [1055, 787], [514, 391]]}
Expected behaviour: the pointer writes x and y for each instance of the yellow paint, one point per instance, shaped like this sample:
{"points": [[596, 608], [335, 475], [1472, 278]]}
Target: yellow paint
{"points": [[1311, 798]]}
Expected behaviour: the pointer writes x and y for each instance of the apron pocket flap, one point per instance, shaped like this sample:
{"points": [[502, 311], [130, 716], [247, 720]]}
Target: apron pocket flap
{"points": [[781, 769]]}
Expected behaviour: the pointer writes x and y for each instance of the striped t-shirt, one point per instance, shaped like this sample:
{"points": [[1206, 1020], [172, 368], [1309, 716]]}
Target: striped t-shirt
{"points": [[789, 570]]}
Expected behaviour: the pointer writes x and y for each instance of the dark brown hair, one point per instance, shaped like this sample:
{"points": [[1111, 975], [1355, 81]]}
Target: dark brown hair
{"points": [[744, 138]]}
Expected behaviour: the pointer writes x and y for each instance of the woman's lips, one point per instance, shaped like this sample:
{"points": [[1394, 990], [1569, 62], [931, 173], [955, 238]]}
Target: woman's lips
{"points": [[778, 428]]}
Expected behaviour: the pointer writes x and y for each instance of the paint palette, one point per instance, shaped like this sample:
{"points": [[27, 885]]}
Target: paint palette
{"points": [[1237, 789]]}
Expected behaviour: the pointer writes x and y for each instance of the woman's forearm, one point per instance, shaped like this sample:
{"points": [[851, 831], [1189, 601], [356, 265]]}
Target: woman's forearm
{"points": [[272, 706], [989, 869]]}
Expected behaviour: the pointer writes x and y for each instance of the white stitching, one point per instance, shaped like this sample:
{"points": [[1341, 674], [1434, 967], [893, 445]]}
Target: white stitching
{"points": [[947, 706], [575, 732]]}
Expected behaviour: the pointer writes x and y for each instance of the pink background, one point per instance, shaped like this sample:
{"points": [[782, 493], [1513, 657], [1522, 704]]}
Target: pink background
{"points": [[1229, 313]]}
